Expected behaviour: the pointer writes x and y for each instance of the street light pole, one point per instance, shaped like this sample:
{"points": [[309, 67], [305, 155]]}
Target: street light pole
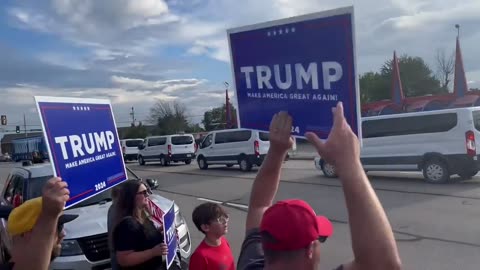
{"points": [[458, 30], [25, 124]]}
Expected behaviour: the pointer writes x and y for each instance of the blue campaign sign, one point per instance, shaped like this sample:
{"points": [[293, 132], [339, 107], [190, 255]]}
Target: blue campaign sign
{"points": [[83, 144], [304, 65], [170, 235]]}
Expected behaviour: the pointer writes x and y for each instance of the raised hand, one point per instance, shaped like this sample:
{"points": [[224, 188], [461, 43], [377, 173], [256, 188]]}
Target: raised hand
{"points": [[342, 148], [55, 195], [280, 132]]}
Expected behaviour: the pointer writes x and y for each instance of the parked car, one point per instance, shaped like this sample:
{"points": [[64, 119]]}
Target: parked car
{"points": [[244, 147], [439, 143], [5, 157], [130, 148], [86, 242], [167, 149]]}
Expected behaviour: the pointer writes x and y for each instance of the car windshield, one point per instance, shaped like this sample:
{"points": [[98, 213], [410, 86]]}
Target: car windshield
{"points": [[133, 143], [35, 186]]}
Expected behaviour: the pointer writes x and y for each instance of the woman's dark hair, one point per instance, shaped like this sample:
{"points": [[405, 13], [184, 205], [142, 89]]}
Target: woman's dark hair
{"points": [[125, 205]]}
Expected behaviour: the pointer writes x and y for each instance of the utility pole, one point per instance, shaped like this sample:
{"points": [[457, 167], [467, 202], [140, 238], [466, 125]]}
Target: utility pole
{"points": [[25, 124], [132, 113], [458, 30]]}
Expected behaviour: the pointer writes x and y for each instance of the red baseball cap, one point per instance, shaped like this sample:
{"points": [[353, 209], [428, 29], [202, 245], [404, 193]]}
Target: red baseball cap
{"points": [[293, 225]]}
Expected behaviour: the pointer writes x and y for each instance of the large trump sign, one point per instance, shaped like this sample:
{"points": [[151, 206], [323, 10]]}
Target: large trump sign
{"points": [[304, 65], [83, 144]]}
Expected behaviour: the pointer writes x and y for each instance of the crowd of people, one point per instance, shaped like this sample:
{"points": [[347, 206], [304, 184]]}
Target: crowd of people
{"points": [[284, 235]]}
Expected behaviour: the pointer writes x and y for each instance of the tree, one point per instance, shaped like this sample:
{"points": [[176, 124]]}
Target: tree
{"points": [[169, 117], [136, 132], [417, 77], [374, 87], [194, 128], [216, 118], [445, 67]]}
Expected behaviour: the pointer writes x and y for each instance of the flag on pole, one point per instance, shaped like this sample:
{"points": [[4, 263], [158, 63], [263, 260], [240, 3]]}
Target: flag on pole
{"points": [[397, 89], [460, 86]]}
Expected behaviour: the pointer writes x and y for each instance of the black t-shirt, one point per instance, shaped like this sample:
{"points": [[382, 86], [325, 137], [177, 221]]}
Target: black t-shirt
{"points": [[252, 255], [7, 266], [130, 234]]}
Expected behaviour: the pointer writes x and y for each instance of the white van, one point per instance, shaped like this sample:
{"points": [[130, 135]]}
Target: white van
{"points": [[233, 146], [130, 148], [440, 143], [167, 149]]}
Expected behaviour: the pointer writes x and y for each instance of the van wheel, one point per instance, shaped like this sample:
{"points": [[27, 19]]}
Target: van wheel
{"points": [[141, 161], [202, 163], [188, 162], [436, 171], [329, 170], [467, 175], [229, 165], [163, 161], [245, 165]]}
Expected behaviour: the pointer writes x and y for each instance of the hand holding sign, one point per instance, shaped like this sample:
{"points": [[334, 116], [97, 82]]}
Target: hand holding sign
{"points": [[280, 128], [160, 250], [342, 147], [55, 195]]}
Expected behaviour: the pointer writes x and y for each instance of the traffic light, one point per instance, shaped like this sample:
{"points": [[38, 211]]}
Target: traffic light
{"points": [[4, 120], [17, 129]]}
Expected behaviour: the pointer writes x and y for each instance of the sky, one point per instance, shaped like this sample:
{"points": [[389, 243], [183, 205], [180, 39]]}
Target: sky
{"points": [[135, 52]]}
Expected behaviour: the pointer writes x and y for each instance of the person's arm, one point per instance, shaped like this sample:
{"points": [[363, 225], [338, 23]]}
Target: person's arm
{"points": [[266, 182], [125, 242], [373, 243], [55, 195]]}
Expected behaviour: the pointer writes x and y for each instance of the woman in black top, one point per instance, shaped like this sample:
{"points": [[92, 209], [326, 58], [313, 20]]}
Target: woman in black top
{"points": [[137, 242]]}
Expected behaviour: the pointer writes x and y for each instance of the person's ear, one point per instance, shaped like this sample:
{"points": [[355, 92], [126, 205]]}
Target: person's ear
{"points": [[205, 227], [310, 250]]}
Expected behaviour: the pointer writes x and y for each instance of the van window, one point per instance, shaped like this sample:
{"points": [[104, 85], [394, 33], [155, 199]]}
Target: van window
{"points": [[409, 125], [476, 119], [182, 140], [133, 143], [157, 141], [233, 136], [264, 136], [207, 141]]}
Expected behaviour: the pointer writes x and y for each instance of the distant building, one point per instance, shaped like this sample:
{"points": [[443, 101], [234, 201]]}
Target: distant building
{"points": [[6, 142]]}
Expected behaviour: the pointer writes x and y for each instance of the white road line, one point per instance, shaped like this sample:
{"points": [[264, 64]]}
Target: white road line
{"points": [[208, 200], [238, 205]]}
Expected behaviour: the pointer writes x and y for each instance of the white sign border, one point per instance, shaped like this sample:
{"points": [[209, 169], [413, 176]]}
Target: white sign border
{"points": [[73, 100], [348, 10]]}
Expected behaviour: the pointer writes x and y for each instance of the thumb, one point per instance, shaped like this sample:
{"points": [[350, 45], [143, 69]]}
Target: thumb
{"points": [[316, 142]]}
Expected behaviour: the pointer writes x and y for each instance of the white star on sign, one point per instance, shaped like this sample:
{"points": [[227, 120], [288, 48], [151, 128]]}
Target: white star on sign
{"points": [[73, 107], [286, 30], [88, 108], [268, 33], [293, 29], [280, 31], [274, 33]]}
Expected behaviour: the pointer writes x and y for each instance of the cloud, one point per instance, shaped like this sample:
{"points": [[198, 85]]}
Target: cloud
{"points": [[167, 86]]}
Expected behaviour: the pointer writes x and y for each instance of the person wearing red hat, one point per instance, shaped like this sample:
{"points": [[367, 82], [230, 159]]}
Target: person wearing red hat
{"points": [[288, 234]]}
